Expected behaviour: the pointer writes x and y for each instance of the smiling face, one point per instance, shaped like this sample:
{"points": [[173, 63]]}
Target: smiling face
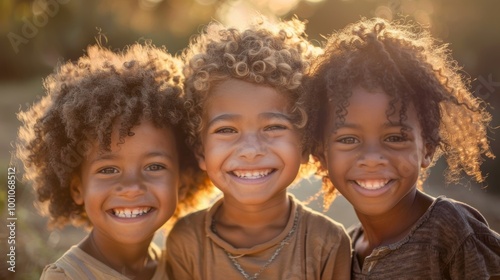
{"points": [[369, 160], [251, 150], [130, 191]]}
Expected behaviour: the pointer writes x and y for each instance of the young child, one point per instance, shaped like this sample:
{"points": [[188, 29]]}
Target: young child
{"points": [[393, 102], [104, 148], [246, 120]]}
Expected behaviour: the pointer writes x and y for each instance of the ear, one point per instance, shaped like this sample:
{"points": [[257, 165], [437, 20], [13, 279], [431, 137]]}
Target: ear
{"points": [[76, 189], [428, 152], [200, 157]]}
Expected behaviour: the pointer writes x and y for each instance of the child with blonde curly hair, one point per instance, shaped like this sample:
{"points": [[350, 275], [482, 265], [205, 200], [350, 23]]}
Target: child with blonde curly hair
{"points": [[105, 149], [391, 101], [246, 124]]}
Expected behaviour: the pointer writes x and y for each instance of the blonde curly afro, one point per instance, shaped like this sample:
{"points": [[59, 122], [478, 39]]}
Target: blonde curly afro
{"points": [[83, 100]]}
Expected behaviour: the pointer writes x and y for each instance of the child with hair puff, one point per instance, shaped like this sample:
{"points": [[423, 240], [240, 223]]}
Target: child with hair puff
{"points": [[390, 102], [104, 149], [246, 107]]}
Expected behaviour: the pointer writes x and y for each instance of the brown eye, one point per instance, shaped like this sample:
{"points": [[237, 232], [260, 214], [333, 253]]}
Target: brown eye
{"points": [[275, 127], [108, 170], [348, 140], [155, 167], [395, 138], [225, 130]]}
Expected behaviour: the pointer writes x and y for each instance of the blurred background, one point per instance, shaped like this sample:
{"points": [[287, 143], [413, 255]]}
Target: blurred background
{"points": [[37, 35]]}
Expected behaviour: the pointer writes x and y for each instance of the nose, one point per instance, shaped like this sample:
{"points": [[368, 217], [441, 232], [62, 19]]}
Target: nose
{"points": [[131, 185], [251, 146], [371, 156]]}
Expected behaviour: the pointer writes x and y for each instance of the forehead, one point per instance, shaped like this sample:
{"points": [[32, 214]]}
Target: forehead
{"points": [[373, 103], [245, 97], [145, 134]]}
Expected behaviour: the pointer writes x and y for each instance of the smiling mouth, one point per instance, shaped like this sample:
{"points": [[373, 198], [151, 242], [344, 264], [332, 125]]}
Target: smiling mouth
{"points": [[130, 212], [252, 174], [374, 184]]}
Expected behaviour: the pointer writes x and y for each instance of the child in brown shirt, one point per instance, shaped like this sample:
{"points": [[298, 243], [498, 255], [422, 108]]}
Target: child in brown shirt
{"points": [[390, 103], [246, 122]]}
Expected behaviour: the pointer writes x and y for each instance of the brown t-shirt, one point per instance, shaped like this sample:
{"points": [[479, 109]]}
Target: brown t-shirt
{"points": [[450, 241], [318, 249]]}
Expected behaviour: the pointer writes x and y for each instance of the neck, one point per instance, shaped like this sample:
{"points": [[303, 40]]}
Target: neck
{"points": [[244, 226], [394, 225], [275, 211], [128, 259]]}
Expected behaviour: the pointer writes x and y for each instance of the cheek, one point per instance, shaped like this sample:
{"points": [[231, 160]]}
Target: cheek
{"points": [[331, 156], [408, 164]]}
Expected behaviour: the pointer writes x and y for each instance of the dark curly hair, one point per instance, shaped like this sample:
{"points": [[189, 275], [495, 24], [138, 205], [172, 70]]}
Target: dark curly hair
{"points": [[83, 100], [276, 55], [412, 69]]}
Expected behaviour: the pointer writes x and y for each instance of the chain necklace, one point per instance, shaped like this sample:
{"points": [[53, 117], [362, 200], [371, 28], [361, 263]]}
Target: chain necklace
{"points": [[283, 242]]}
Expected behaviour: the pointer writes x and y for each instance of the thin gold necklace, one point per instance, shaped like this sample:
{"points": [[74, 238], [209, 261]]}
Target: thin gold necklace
{"points": [[283, 242]]}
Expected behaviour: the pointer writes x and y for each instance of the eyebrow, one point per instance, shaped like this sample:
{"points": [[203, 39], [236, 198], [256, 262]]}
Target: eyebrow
{"points": [[276, 115], [223, 117], [111, 156], [265, 116], [386, 125]]}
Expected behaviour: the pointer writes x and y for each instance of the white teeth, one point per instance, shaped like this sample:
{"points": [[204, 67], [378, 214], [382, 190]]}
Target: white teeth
{"points": [[252, 174], [130, 213], [372, 184]]}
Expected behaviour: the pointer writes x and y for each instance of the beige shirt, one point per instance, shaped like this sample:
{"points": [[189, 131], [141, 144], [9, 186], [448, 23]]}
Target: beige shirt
{"points": [[76, 264], [318, 249]]}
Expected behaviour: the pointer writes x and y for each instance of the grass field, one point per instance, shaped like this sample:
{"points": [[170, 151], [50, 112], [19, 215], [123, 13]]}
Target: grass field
{"points": [[36, 247]]}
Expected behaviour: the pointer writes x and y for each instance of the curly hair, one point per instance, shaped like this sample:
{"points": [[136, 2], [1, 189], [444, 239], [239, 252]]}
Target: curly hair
{"points": [[85, 100], [413, 69], [276, 55]]}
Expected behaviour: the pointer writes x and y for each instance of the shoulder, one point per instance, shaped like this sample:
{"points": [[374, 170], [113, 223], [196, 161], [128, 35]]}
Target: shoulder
{"points": [[463, 219], [453, 224], [66, 267], [318, 224], [191, 220], [189, 227], [52, 271], [466, 236]]}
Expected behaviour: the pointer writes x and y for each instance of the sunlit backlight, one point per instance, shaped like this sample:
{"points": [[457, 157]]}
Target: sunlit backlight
{"points": [[384, 12], [316, 1], [422, 17], [281, 7], [236, 13], [149, 4], [206, 2]]}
